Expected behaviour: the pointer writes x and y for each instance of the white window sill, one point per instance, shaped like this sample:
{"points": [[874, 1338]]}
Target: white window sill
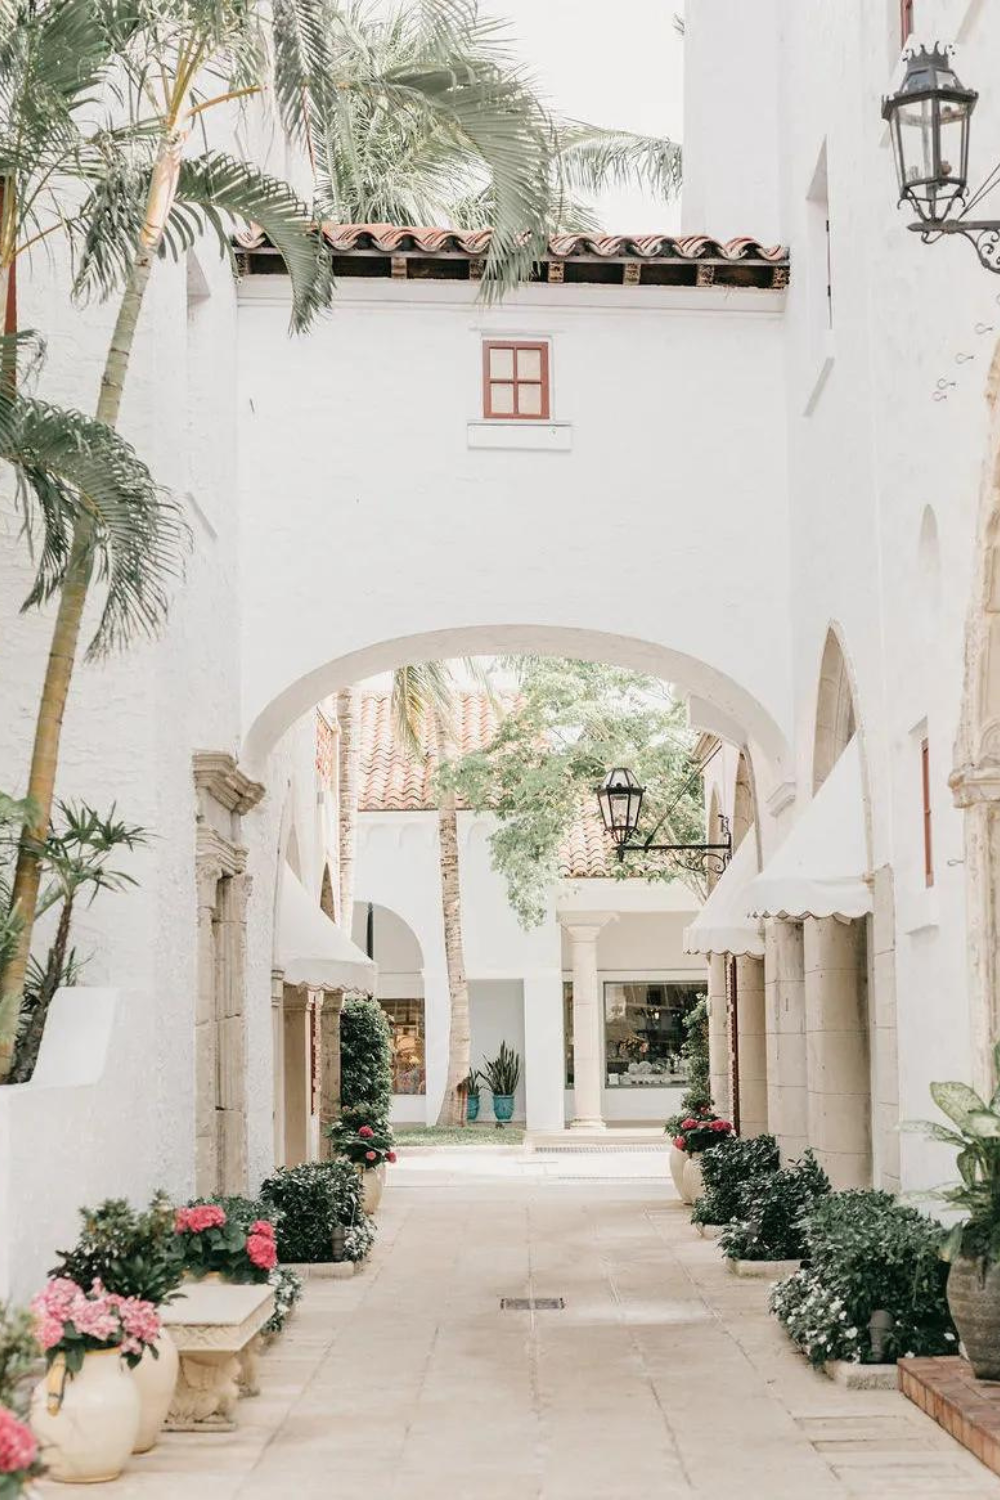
{"points": [[544, 437]]}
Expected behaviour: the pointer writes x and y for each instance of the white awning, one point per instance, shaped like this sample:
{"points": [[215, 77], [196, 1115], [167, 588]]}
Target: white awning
{"points": [[819, 871], [312, 950], [722, 925]]}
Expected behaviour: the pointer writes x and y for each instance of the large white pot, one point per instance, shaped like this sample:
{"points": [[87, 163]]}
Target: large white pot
{"points": [[677, 1160], [88, 1435], [692, 1183], [372, 1186], [154, 1379]]}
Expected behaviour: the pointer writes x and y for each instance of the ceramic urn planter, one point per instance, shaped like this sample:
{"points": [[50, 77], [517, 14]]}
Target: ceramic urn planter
{"points": [[372, 1187], [155, 1379], [88, 1434], [677, 1159], [692, 1183], [974, 1302]]}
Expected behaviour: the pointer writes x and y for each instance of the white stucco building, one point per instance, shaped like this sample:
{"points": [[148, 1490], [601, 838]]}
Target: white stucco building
{"points": [[753, 470]]}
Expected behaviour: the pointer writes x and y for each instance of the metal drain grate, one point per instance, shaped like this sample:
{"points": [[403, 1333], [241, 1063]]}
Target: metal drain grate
{"points": [[532, 1304], [660, 1150]]}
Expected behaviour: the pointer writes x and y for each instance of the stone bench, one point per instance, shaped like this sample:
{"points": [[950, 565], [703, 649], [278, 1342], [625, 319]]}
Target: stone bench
{"points": [[216, 1327]]}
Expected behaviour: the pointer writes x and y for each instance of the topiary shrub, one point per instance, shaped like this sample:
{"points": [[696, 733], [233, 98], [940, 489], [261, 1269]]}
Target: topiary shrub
{"points": [[365, 1060], [312, 1200], [772, 1211], [868, 1253], [697, 1097], [726, 1169]]}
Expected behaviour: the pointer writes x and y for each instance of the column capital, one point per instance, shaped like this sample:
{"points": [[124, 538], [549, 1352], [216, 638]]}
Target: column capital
{"points": [[585, 926], [972, 785]]}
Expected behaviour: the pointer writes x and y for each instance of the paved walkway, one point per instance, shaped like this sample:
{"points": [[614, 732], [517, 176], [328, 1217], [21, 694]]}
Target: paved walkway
{"points": [[662, 1378]]}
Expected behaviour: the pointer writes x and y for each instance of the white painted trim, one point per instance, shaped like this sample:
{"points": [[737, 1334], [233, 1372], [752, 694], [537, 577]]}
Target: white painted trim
{"points": [[534, 437]]}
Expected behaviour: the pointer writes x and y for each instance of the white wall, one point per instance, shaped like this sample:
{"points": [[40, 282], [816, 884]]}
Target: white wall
{"points": [[496, 1014]]}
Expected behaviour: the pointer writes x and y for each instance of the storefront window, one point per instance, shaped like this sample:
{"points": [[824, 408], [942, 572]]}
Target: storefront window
{"points": [[644, 1032], [406, 1018]]}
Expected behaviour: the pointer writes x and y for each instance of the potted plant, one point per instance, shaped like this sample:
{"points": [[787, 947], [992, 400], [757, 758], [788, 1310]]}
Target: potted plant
{"points": [[472, 1094], [19, 1461], [215, 1245], [134, 1254], [972, 1247], [368, 1147], [502, 1076], [19, 1456], [86, 1411], [319, 1213], [695, 1134]]}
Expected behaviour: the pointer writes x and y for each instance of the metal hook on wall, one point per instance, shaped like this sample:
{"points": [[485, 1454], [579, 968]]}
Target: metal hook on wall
{"points": [[943, 387], [963, 359], [982, 328]]}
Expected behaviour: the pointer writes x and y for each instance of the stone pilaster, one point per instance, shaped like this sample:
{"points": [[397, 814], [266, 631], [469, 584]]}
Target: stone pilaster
{"points": [[784, 987], [588, 1024], [329, 1067], [718, 1035], [751, 1045], [837, 1051], [882, 1022]]}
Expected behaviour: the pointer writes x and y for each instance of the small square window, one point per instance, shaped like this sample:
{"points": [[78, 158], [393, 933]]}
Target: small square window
{"points": [[516, 381]]}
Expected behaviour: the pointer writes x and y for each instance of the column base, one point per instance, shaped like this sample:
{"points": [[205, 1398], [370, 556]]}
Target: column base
{"points": [[582, 1124]]}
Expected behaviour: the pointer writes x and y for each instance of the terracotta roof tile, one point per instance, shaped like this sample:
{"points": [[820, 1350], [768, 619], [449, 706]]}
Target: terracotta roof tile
{"points": [[392, 779], [395, 239]]}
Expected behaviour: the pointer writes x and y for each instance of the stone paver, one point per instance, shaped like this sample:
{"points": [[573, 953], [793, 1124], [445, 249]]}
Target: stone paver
{"points": [[662, 1378]]}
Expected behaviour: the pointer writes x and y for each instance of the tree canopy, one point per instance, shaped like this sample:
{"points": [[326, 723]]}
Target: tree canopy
{"points": [[568, 724]]}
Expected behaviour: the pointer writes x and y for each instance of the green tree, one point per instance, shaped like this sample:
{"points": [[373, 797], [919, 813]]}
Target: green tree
{"points": [[570, 723]]}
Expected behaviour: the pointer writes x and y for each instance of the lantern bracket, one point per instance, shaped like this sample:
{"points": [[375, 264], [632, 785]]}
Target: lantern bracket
{"points": [[700, 859], [983, 235]]}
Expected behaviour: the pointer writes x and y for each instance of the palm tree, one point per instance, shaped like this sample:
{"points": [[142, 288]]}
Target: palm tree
{"points": [[423, 702], [348, 765]]}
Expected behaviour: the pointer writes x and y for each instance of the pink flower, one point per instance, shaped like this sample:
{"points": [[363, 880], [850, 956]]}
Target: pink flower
{"points": [[97, 1318], [18, 1449], [262, 1252], [680, 1142], [195, 1220], [139, 1318], [366, 1132], [370, 1156], [264, 1227], [718, 1125], [391, 1156], [689, 1124]]}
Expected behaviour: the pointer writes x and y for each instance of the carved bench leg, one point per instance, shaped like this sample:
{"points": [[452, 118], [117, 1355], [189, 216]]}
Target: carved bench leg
{"points": [[205, 1394], [249, 1378]]}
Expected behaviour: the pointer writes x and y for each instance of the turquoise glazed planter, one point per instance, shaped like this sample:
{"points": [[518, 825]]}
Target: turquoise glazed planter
{"points": [[472, 1107], [503, 1107]]}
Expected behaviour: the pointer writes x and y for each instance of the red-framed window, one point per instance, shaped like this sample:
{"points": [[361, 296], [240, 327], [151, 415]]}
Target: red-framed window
{"points": [[925, 790], [515, 381], [905, 20]]}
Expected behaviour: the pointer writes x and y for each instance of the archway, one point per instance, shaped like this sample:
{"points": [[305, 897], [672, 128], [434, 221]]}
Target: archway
{"points": [[398, 953], [836, 716]]}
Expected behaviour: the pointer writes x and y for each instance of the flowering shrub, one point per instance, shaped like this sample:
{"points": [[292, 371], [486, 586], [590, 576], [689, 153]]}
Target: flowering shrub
{"points": [[287, 1287], [867, 1253], [772, 1209], [365, 1145], [726, 1170], [72, 1322], [18, 1455], [366, 1060], [701, 1131], [212, 1241], [309, 1202], [130, 1252]]}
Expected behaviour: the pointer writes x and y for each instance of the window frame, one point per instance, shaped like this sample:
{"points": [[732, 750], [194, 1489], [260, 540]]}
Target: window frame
{"points": [[544, 384], [419, 1002], [906, 20]]}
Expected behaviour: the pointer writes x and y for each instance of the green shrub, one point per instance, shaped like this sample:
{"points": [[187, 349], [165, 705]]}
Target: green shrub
{"points": [[868, 1253], [19, 1356], [287, 1285], [772, 1209], [365, 1060], [312, 1200], [726, 1169], [697, 1097], [133, 1253]]}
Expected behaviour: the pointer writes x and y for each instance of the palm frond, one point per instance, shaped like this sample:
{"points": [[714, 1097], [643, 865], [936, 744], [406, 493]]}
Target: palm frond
{"points": [[592, 160], [420, 693]]}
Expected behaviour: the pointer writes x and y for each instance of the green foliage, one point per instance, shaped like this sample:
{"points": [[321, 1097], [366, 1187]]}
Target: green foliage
{"points": [[701, 1132], [287, 1286], [694, 1051], [502, 1074], [867, 1253], [19, 1355], [132, 1252], [726, 1169], [365, 1061], [472, 1083], [312, 1200], [222, 1249], [365, 1145], [976, 1139], [573, 720], [772, 1211]]}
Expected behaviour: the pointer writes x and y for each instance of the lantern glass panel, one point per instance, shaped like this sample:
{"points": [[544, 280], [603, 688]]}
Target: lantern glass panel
{"points": [[954, 141], [914, 128]]}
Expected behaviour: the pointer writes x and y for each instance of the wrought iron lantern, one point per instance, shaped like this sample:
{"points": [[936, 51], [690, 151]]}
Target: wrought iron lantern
{"points": [[929, 125], [619, 797], [929, 120]]}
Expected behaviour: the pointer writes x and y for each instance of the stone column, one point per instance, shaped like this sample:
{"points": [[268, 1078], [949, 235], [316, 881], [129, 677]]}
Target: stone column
{"points": [[206, 1067], [784, 988], [976, 789], [718, 1035], [588, 1026], [544, 1052], [298, 1074], [231, 919], [751, 1045], [329, 1068], [837, 1056], [278, 1064]]}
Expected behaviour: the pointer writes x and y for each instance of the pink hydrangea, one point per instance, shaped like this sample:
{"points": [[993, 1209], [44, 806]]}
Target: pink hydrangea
{"points": [[366, 1132], [18, 1449], [260, 1249], [195, 1220], [264, 1227], [140, 1321], [370, 1156], [391, 1156]]}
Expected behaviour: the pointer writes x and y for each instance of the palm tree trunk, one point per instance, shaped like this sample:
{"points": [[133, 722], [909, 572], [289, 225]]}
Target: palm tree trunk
{"points": [[69, 616], [459, 1039], [348, 768]]}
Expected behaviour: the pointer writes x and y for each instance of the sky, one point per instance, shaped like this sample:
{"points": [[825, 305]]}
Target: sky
{"points": [[609, 62]]}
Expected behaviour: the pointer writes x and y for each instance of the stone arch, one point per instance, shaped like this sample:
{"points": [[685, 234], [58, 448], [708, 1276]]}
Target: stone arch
{"points": [[836, 714], [400, 991]]}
